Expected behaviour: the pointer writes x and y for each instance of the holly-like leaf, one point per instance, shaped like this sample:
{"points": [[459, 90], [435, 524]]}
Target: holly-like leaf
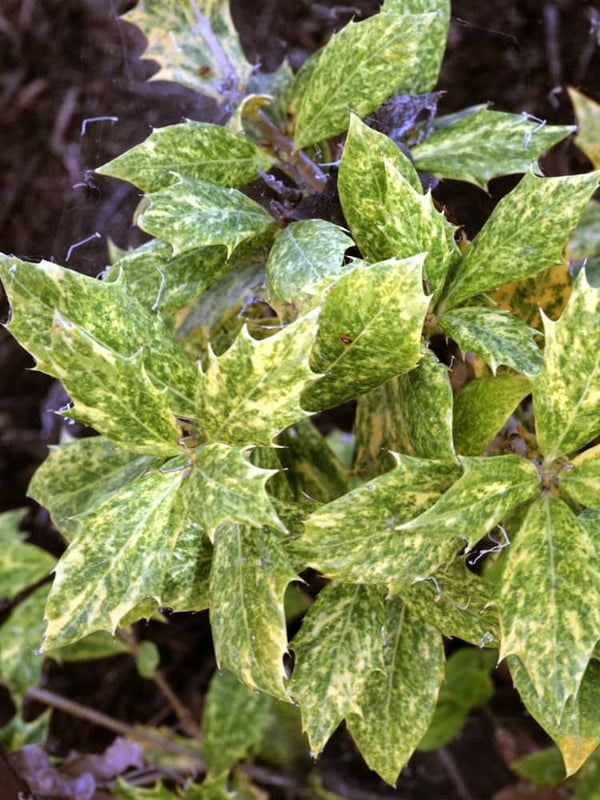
{"points": [[187, 578], [20, 639], [566, 392], [548, 291], [580, 480], [105, 311], [118, 559], [337, 649], [233, 721], [191, 213], [482, 407], [548, 612], [486, 144], [369, 330], [249, 575], [587, 113], [370, 59], [21, 564], [396, 704], [528, 231], [356, 537], [494, 335], [252, 392], [303, 255], [197, 150], [195, 43]]}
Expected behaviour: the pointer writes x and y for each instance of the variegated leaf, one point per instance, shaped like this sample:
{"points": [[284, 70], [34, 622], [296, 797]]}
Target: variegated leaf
{"points": [[578, 732], [528, 231], [21, 564], [105, 311], [397, 704], [197, 150], [486, 144], [548, 600], [370, 59], [355, 538], [369, 330], [252, 392], [587, 113], [20, 638], [580, 479], [584, 247], [494, 335], [195, 43], [118, 559], [337, 649], [248, 579], [374, 430], [186, 586], [190, 214], [566, 392], [482, 407], [549, 291], [302, 256]]}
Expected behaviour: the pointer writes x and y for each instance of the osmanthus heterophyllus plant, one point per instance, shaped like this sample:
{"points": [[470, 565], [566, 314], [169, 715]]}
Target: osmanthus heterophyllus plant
{"points": [[201, 355]]}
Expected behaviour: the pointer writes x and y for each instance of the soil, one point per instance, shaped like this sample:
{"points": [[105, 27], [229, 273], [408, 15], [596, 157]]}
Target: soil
{"points": [[66, 63]]}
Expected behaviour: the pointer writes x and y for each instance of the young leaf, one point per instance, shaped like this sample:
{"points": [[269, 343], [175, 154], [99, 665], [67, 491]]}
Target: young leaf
{"points": [[21, 564], [302, 255], [337, 649], [396, 704], [369, 330], [190, 214], [587, 113], [233, 721], [482, 407], [252, 392], [542, 767], [547, 601], [580, 480], [247, 583], [527, 231], [20, 638], [370, 59], [494, 335], [566, 392], [486, 144], [197, 150], [224, 488]]}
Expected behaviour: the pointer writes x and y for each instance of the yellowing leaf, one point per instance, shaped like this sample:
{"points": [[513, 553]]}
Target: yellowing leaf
{"points": [[549, 291]]}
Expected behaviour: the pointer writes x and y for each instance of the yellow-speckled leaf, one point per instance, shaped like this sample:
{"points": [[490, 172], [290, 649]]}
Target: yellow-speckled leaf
{"points": [[396, 704], [252, 392], [548, 600], [549, 291], [249, 575], [338, 647], [191, 214], [587, 113], [566, 392], [374, 430], [486, 144], [482, 407], [186, 586], [369, 330], [580, 480], [585, 242], [369, 59], [528, 231], [195, 43], [197, 150], [20, 641], [21, 564]]}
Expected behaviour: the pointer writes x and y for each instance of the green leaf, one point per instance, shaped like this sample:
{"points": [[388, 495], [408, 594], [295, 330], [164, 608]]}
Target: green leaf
{"points": [[252, 392], [186, 586], [118, 559], [588, 779], [20, 638], [587, 113], [337, 649], [21, 564], [356, 537], [396, 704], [527, 232], [233, 721], [190, 214], [17, 733], [197, 150], [224, 488], [541, 768], [580, 479], [105, 311], [482, 407], [195, 44], [566, 392], [486, 144], [303, 255], [369, 330], [247, 583], [82, 474], [584, 246], [95, 646], [578, 732], [496, 336], [147, 659], [369, 59], [547, 601]]}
